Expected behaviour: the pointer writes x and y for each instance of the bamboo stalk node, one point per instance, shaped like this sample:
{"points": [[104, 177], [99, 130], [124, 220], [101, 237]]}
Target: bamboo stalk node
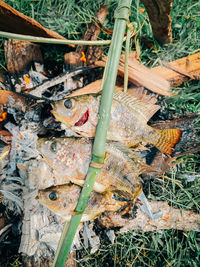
{"points": [[121, 11], [100, 165]]}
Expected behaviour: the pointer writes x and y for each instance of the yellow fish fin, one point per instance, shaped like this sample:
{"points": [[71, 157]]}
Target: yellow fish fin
{"points": [[145, 109], [167, 140]]}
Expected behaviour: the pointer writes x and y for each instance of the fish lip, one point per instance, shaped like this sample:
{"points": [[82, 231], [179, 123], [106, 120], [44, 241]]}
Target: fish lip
{"points": [[84, 118], [60, 118]]}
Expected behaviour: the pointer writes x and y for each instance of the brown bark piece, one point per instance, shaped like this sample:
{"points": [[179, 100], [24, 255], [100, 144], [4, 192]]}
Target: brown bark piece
{"points": [[20, 54], [13, 21], [172, 218], [160, 19], [178, 71]]}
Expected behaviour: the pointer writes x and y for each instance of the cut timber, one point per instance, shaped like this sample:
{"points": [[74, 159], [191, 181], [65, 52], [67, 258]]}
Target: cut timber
{"points": [[19, 54], [160, 19], [172, 218], [141, 75], [178, 71], [13, 21]]}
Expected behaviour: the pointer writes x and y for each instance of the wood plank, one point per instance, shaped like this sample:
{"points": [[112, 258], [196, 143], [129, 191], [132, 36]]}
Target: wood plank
{"points": [[189, 67], [141, 75]]}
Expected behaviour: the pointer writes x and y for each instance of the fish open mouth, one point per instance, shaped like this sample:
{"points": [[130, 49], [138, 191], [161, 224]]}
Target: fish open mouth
{"points": [[83, 119]]}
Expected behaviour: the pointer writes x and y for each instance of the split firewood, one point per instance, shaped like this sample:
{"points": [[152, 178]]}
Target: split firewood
{"points": [[186, 220], [178, 71], [87, 55], [141, 75], [160, 19], [13, 21], [20, 54]]}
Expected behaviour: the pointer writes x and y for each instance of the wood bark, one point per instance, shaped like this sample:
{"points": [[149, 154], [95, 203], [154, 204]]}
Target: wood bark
{"points": [[160, 19], [20, 54], [13, 21]]}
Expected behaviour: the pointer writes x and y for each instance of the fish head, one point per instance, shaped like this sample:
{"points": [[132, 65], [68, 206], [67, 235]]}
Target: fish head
{"points": [[60, 199], [67, 156], [79, 113]]}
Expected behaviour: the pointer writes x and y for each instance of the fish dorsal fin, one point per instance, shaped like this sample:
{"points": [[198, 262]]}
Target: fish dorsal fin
{"points": [[140, 105], [141, 94]]}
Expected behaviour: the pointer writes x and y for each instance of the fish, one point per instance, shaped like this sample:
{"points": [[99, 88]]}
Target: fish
{"points": [[128, 122], [62, 200], [70, 157]]}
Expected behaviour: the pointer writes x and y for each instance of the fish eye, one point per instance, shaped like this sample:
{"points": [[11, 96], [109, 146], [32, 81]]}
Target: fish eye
{"points": [[53, 196], [68, 103], [53, 146]]}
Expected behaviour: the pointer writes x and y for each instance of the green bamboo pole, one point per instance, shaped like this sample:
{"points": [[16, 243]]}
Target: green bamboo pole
{"points": [[50, 40], [128, 38], [98, 151]]}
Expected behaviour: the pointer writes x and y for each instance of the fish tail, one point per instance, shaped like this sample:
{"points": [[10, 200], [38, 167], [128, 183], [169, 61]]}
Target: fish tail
{"points": [[167, 140]]}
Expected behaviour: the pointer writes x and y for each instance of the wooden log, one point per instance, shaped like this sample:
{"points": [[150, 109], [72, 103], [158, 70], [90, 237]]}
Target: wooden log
{"points": [[186, 220], [160, 19], [142, 76]]}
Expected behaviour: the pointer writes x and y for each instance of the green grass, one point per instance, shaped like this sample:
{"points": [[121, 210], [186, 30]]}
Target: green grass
{"points": [[164, 248]]}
